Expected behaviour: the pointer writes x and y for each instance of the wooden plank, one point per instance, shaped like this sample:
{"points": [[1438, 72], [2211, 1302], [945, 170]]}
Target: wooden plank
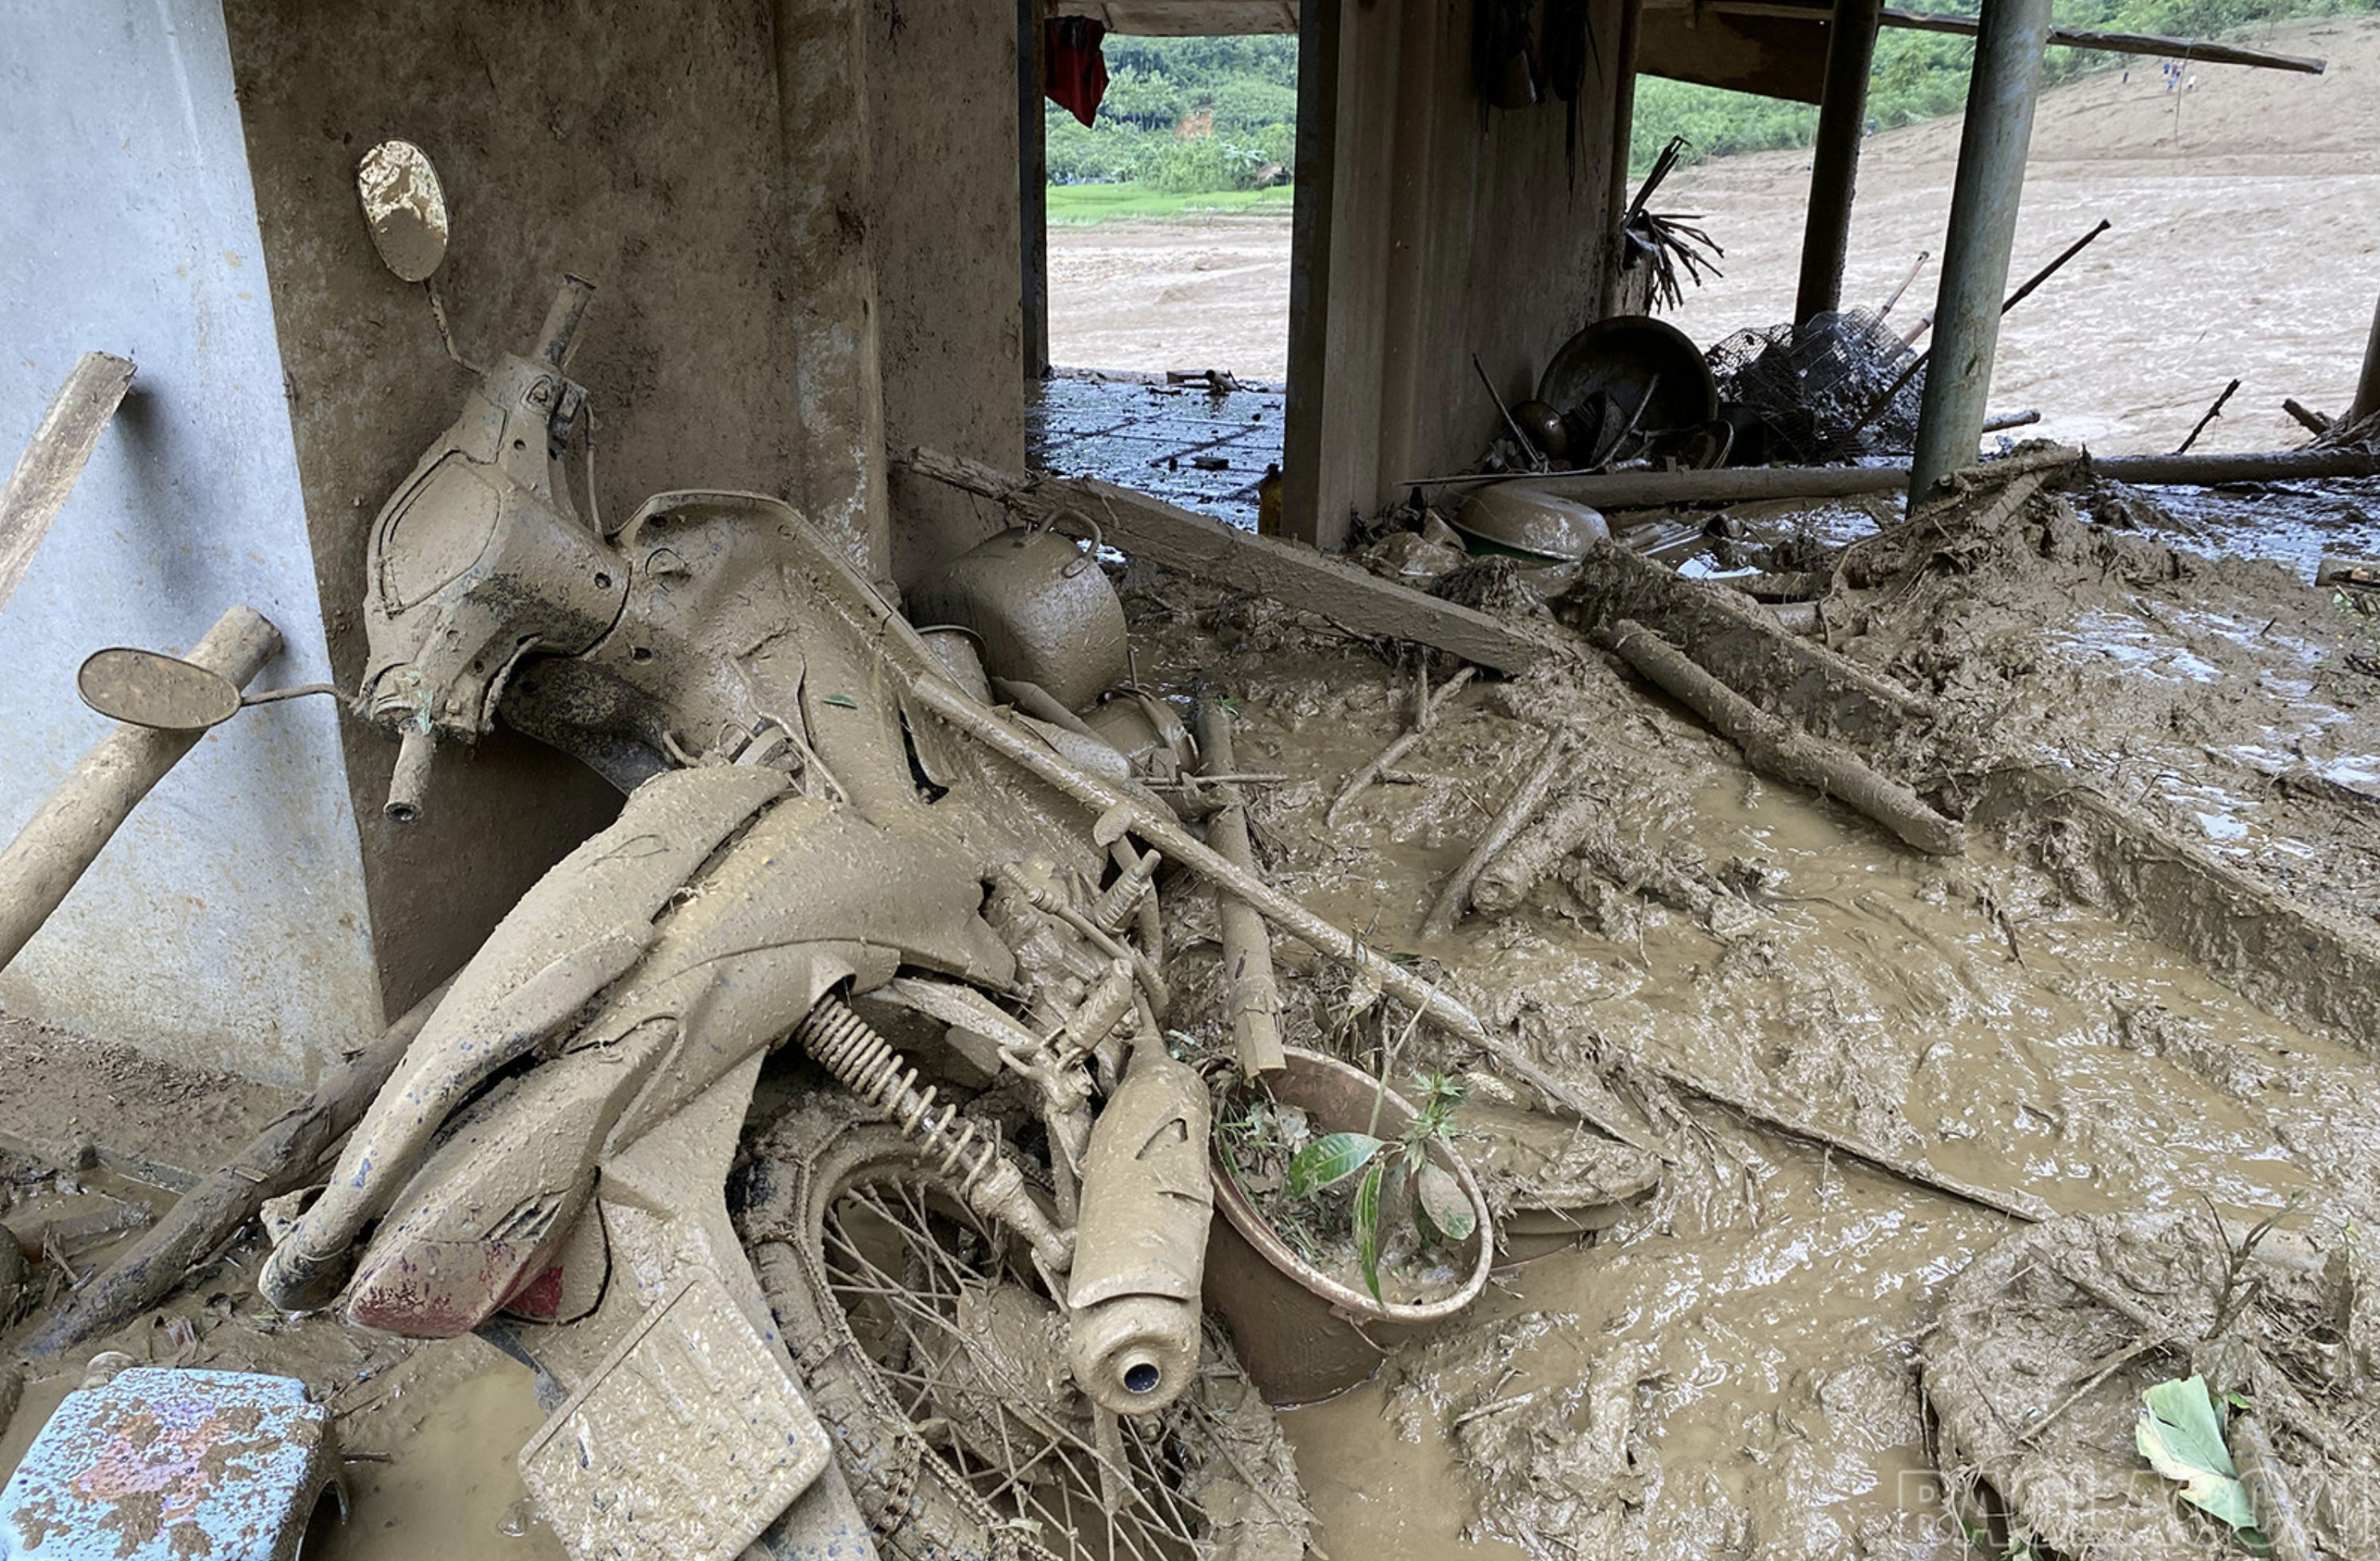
{"points": [[1291, 573], [61, 446]]}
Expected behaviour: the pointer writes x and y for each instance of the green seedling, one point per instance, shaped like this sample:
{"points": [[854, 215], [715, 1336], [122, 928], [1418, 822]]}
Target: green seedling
{"points": [[1442, 1212]]}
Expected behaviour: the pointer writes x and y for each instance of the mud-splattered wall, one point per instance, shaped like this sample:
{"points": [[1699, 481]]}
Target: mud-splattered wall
{"points": [[943, 220], [636, 144]]}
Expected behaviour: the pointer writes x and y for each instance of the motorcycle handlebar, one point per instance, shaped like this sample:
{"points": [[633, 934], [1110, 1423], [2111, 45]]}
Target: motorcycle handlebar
{"points": [[412, 777]]}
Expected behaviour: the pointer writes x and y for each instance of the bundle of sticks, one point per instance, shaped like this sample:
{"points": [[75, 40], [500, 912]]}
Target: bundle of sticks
{"points": [[1667, 240]]}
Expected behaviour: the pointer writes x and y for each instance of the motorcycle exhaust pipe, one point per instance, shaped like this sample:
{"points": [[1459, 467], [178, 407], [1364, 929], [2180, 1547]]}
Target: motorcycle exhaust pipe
{"points": [[1140, 1241]]}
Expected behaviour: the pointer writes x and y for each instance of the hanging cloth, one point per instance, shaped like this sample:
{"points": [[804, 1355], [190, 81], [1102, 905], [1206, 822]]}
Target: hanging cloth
{"points": [[1076, 69]]}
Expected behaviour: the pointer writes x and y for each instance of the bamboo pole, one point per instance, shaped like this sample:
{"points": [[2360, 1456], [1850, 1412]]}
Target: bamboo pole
{"points": [[1251, 995], [77, 819]]}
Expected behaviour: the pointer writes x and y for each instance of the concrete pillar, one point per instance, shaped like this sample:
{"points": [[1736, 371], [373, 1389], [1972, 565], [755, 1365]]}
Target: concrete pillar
{"points": [[2367, 388], [839, 408], [1984, 196], [1834, 166], [1032, 190]]}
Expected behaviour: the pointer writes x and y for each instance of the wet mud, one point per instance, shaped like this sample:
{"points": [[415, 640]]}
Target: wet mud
{"points": [[1729, 1357], [1732, 1368]]}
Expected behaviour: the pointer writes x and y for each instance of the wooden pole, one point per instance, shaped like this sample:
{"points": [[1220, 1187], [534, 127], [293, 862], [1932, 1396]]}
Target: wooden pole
{"points": [[1779, 750], [76, 822], [2367, 387], [282, 1159], [1032, 190], [1983, 197], [1834, 160], [61, 446], [1251, 995]]}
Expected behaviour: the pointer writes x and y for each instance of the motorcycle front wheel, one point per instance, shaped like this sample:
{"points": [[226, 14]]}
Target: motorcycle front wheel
{"points": [[935, 1356]]}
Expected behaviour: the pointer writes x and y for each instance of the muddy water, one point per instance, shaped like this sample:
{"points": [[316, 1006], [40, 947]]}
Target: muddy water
{"points": [[1730, 1370], [450, 1486]]}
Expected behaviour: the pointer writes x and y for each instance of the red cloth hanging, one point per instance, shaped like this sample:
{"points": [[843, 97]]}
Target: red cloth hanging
{"points": [[1074, 66]]}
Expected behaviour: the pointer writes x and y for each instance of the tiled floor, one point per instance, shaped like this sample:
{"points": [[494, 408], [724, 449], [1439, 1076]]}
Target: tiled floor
{"points": [[1180, 443]]}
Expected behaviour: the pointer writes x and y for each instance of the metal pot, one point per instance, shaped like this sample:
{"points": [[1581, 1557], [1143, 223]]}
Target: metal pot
{"points": [[1043, 607], [1301, 1334]]}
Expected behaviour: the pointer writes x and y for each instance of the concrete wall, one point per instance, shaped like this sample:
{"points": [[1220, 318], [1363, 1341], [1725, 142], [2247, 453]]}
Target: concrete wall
{"points": [[943, 224], [1451, 228], [226, 924], [638, 144]]}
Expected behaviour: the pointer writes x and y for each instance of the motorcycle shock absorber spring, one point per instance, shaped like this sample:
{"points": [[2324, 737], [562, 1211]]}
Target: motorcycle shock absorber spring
{"points": [[847, 1047], [1124, 896]]}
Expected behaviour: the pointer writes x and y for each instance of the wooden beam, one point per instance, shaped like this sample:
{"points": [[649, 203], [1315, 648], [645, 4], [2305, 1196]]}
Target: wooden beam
{"points": [[61, 446], [1291, 573], [2198, 50], [1745, 484]]}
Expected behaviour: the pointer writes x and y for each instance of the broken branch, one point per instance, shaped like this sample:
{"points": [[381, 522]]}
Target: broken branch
{"points": [[1519, 810], [281, 1159], [1397, 749], [1775, 749]]}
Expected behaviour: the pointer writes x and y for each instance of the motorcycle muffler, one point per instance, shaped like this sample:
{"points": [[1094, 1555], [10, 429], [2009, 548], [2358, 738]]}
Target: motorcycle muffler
{"points": [[1140, 1241]]}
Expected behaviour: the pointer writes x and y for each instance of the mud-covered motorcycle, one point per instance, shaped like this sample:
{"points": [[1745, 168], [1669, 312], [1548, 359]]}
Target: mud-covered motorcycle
{"points": [[939, 1289]]}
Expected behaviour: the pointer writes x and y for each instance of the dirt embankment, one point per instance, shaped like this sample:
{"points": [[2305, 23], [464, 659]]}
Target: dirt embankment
{"points": [[2246, 242]]}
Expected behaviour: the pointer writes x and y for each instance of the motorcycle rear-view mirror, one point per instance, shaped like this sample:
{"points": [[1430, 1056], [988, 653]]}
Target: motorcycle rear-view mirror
{"points": [[168, 694], [405, 207], [146, 688]]}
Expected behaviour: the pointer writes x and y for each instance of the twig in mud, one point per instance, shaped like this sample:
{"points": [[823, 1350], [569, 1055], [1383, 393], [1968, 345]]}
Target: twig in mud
{"points": [[1523, 807], [1493, 1407], [2212, 413], [2015, 1205], [2110, 1365], [1397, 749]]}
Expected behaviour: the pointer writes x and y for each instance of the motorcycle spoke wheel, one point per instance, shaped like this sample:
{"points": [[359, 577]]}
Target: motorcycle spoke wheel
{"points": [[950, 1320]]}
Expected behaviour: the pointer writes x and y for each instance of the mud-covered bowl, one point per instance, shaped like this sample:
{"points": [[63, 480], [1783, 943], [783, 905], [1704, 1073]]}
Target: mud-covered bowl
{"points": [[1301, 1333], [1519, 522]]}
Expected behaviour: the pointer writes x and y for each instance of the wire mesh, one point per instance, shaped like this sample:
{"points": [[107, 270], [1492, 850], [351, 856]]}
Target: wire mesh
{"points": [[1812, 384]]}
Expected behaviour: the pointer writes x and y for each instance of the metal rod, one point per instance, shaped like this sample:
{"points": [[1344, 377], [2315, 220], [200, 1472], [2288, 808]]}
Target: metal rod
{"points": [[75, 822], [1985, 194], [1834, 160]]}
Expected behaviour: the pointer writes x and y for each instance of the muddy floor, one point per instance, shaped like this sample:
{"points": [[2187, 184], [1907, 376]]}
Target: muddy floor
{"points": [[1731, 1369]]}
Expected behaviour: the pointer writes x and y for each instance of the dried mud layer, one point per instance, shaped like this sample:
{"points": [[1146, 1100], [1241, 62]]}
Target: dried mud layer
{"points": [[1733, 1367]]}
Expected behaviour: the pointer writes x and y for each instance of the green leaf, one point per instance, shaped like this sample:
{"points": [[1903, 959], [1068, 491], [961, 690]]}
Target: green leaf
{"points": [[1444, 1204], [2180, 1436], [1367, 1229], [842, 701], [1330, 1160]]}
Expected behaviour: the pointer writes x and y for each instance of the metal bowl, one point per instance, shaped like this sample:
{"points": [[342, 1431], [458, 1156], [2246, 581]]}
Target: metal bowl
{"points": [[1518, 521], [1618, 358]]}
